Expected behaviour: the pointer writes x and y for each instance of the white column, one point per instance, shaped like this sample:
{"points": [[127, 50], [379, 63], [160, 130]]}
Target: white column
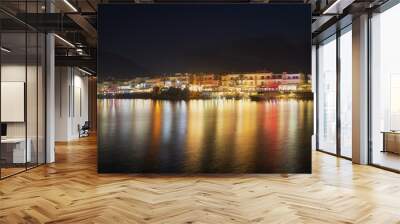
{"points": [[50, 100], [360, 90], [50, 92]]}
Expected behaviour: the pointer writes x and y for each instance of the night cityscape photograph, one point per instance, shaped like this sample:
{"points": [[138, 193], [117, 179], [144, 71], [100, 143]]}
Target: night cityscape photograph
{"points": [[200, 88]]}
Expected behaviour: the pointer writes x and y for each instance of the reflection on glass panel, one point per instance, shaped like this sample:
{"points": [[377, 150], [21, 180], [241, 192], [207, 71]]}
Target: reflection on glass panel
{"points": [[32, 86], [346, 94], [14, 153], [41, 98], [31, 97], [327, 96], [22, 89], [385, 84]]}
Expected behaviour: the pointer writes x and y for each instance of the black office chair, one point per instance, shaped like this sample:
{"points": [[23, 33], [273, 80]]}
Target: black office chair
{"points": [[84, 130]]}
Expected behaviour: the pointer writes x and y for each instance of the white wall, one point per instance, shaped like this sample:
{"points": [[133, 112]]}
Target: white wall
{"points": [[71, 102], [17, 73], [62, 82], [33, 126], [80, 110]]}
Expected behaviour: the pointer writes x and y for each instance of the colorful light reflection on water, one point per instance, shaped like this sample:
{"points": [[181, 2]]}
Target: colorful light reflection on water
{"points": [[205, 136]]}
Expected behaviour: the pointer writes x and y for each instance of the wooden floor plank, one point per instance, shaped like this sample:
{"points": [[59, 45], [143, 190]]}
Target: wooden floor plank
{"points": [[71, 191]]}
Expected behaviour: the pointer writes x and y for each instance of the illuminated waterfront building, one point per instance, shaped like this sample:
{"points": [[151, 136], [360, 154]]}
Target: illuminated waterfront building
{"points": [[154, 82], [230, 80], [205, 81], [178, 80], [234, 83]]}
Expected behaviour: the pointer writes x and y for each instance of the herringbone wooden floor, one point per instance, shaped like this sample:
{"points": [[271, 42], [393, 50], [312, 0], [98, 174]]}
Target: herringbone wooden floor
{"points": [[70, 191]]}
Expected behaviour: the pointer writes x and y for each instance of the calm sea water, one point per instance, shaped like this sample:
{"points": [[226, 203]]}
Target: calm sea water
{"points": [[204, 136]]}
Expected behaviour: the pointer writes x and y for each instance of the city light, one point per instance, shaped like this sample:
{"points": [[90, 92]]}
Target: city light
{"points": [[206, 86]]}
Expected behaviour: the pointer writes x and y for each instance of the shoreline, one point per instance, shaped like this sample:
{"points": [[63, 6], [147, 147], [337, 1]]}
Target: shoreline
{"points": [[258, 97]]}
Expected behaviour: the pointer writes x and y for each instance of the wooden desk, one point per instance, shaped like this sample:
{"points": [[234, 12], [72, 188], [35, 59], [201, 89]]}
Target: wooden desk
{"points": [[15, 148], [391, 141]]}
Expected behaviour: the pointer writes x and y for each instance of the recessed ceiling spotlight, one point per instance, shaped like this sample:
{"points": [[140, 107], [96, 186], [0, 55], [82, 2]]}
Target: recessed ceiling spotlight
{"points": [[5, 50]]}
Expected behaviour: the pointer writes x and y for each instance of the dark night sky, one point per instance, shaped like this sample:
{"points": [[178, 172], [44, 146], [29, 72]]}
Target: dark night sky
{"points": [[150, 39]]}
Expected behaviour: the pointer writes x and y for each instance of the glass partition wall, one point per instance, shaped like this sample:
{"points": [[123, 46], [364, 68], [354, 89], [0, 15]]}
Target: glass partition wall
{"points": [[22, 100], [345, 91], [327, 95], [385, 89], [334, 83]]}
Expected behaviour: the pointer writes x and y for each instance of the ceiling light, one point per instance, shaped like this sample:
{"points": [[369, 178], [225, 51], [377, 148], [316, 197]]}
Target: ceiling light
{"points": [[337, 7], [5, 50], [79, 51], [84, 71], [70, 5], [331, 7], [65, 41]]}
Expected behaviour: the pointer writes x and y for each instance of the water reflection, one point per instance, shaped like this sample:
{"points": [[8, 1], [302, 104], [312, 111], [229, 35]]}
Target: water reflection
{"points": [[204, 136]]}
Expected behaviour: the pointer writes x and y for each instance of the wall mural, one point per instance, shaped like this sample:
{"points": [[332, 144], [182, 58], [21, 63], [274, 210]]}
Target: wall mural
{"points": [[204, 88]]}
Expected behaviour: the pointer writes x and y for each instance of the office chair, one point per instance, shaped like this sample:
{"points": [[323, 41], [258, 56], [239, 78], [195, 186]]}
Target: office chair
{"points": [[84, 130]]}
